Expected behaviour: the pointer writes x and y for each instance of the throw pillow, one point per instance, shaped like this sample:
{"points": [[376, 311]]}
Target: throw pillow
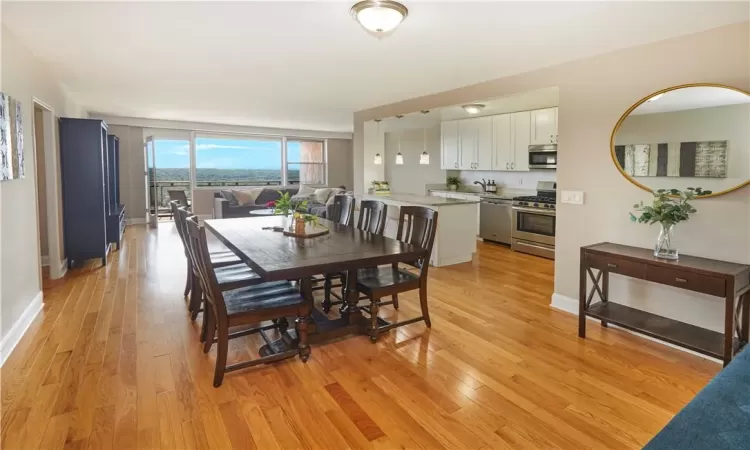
{"points": [[227, 194], [321, 195], [246, 197], [305, 190]]}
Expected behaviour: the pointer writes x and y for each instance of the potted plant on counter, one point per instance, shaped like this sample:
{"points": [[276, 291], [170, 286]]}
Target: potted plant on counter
{"points": [[669, 207], [453, 183]]}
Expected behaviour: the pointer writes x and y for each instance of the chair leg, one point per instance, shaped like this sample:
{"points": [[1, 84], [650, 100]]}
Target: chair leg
{"points": [[221, 352], [394, 297], [196, 295], [374, 309], [423, 304], [327, 294], [188, 280], [303, 346], [209, 329]]}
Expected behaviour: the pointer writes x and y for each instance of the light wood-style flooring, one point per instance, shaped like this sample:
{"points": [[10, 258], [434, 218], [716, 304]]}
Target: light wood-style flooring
{"points": [[115, 362]]}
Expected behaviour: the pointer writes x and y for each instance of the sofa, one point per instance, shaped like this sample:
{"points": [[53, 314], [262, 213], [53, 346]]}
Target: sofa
{"points": [[231, 203], [718, 418]]}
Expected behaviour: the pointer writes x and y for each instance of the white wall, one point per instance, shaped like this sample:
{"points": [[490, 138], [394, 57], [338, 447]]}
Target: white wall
{"points": [[594, 93], [25, 78], [411, 177], [730, 123]]}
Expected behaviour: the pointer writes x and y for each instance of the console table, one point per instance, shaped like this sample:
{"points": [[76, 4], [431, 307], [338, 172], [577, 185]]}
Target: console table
{"points": [[730, 281]]}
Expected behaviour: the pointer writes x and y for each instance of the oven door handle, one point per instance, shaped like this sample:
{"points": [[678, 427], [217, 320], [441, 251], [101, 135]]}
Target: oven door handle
{"points": [[542, 212]]}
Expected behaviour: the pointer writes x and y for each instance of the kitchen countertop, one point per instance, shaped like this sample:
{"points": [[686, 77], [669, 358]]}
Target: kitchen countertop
{"points": [[412, 199], [501, 195]]}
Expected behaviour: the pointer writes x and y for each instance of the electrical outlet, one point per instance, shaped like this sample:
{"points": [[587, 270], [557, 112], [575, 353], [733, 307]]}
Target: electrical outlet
{"points": [[572, 197]]}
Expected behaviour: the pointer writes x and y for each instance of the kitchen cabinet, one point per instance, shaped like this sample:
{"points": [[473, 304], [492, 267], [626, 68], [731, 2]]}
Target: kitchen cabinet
{"points": [[450, 147], [502, 142], [520, 124], [467, 143], [499, 142], [544, 126], [511, 136]]}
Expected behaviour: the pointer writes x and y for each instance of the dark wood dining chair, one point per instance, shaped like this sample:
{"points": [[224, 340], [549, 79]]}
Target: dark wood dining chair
{"points": [[372, 218], [179, 196], [341, 210], [230, 271], [416, 226], [251, 305]]}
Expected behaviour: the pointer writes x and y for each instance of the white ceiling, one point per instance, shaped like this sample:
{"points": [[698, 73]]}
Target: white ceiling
{"points": [[692, 98], [309, 65]]}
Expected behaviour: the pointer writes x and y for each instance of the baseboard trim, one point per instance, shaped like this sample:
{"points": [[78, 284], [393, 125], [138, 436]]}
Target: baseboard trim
{"points": [[136, 221], [16, 332], [570, 305]]}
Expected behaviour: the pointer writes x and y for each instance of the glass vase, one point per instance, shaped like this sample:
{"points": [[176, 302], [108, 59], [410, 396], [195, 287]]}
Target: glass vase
{"points": [[665, 245]]}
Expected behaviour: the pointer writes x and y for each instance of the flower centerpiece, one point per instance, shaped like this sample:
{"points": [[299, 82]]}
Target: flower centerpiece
{"points": [[669, 207]]}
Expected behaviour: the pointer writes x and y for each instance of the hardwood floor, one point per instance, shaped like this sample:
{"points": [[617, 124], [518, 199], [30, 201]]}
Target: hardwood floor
{"points": [[114, 362]]}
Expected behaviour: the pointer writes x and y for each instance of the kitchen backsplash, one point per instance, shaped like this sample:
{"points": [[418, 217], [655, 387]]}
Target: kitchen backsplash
{"points": [[510, 180]]}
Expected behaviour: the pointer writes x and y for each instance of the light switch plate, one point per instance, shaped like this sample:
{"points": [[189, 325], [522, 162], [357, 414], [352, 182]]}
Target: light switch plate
{"points": [[572, 197]]}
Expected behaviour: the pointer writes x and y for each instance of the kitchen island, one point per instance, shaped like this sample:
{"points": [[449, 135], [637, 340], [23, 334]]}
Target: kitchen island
{"points": [[455, 241]]}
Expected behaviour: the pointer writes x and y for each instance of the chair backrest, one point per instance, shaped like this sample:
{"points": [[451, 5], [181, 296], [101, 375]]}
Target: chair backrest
{"points": [[417, 226], [179, 223], [181, 219], [178, 195], [341, 210], [372, 215], [206, 275]]}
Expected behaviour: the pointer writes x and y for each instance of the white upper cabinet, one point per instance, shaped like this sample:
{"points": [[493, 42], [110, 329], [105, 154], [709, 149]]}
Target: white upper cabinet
{"points": [[467, 143], [544, 126], [520, 123], [503, 142], [483, 159], [450, 150], [498, 142]]}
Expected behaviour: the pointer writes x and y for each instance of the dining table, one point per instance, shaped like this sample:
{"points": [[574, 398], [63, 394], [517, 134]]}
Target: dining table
{"points": [[344, 249]]}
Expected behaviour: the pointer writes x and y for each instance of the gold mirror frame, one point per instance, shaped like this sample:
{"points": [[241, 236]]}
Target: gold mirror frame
{"points": [[642, 101]]}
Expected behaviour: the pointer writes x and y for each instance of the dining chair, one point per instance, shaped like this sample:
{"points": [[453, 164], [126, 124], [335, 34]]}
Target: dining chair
{"points": [[250, 305], [417, 226], [230, 271], [372, 218], [341, 211]]}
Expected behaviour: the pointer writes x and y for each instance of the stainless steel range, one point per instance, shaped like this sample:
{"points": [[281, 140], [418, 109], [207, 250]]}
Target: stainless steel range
{"points": [[534, 224]]}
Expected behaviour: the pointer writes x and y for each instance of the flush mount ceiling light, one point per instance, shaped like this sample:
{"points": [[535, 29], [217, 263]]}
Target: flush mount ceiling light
{"points": [[473, 108], [655, 98], [379, 17]]}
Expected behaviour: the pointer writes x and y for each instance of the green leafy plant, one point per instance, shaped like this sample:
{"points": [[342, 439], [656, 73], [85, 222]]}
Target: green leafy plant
{"points": [[670, 206], [453, 181], [285, 205], [381, 186]]}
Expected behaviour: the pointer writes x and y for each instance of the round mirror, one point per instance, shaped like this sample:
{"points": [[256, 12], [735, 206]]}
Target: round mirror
{"points": [[686, 136]]}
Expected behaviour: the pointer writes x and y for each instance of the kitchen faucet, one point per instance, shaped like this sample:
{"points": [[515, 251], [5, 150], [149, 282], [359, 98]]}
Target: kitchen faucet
{"points": [[482, 183]]}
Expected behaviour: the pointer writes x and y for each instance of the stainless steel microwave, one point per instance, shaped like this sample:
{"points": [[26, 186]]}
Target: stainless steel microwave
{"points": [[543, 156]]}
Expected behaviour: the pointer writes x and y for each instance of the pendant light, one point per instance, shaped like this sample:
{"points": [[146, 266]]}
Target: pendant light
{"points": [[399, 156], [379, 17], [377, 160], [424, 158]]}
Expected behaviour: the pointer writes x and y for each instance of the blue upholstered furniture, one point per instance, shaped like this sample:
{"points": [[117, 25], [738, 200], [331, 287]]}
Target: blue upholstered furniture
{"points": [[718, 418]]}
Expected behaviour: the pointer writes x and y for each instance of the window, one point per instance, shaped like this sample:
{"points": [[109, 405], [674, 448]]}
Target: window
{"points": [[237, 161], [171, 170], [306, 162]]}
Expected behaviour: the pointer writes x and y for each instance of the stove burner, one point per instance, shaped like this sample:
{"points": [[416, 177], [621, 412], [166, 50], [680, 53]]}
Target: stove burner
{"points": [[535, 199]]}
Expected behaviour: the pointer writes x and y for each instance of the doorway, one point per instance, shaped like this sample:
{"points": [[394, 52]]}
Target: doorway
{"points": [[49, 201]]}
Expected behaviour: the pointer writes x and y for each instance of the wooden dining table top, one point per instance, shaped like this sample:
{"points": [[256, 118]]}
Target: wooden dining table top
{"points": [[274, 256]]}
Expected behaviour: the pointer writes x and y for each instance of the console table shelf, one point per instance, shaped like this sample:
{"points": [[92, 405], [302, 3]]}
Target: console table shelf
{"points": [[698, 339], [728, 280]]}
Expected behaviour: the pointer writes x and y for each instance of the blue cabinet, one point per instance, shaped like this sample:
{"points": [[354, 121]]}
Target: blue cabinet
{"points": [[90, 192]]}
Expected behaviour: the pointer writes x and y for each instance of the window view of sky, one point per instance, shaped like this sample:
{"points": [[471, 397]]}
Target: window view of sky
{"points": [[212, 153]]}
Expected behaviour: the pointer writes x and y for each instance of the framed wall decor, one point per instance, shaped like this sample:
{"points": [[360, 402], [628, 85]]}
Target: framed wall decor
{"points": [[6, 171]]}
